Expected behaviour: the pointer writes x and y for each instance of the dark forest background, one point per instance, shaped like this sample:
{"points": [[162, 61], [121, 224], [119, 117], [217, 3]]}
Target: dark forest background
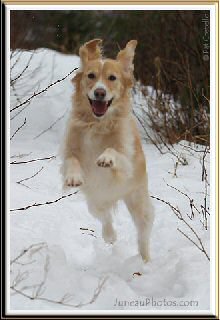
{"points": [[172, 56]]}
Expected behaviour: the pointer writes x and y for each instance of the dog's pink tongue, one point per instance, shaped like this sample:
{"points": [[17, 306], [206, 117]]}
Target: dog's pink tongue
{"points": [[99, 107]]}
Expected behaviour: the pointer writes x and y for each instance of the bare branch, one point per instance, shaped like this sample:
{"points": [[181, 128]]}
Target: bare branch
{"points": [[185, 235], [33, 160], [40, 92], [20, 277], [21, 155], [40, 288], [193, 149], [15, 94], [191, 201], [86, 229], [16, 61], [63, 300], [51, 126], [41, 245], [204, 171], [34, 175], [19, 128], [22, 72], [25, 263], [90, 234], [180, 158], [175, 163], [17, 77], [146, 132], [180, 217], [16, 114], [44, 203]]}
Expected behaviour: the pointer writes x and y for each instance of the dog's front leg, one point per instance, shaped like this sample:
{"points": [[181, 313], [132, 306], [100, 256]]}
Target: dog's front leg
{"points": [[115, 160], [73, 176], [71, 168]]}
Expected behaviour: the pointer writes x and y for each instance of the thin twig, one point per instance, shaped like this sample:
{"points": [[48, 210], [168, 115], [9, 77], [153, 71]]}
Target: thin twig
{"points": [[34, 175], [33, 160], [62, 301], [37, 294], [86, 229], [191, 148], [16, 61], [23, 252], [25, 263], [20, 111], [40, 287], [51, 126], [90, 234], [185, 235], [15, 93], [204, 171], [17, 77], [20, 155], [145, 130], [40, 92], [25, 68], [180, 217], [44, 203], [180, 158], [19, 128], [186, 195]]}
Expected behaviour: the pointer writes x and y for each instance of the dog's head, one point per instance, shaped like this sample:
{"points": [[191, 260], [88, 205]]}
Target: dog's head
{"points": [[104, 82]]}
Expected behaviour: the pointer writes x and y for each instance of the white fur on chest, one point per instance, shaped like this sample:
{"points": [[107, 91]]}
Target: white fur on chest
{"points": [[100, 182], [97, 180], [91, 146]]}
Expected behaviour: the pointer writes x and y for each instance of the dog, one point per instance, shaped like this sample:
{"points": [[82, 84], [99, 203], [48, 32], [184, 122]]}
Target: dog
{"points": [[102, 148]]}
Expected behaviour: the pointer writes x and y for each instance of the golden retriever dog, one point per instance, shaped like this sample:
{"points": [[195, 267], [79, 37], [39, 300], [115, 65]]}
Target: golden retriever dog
{"points": [[102, 149]]}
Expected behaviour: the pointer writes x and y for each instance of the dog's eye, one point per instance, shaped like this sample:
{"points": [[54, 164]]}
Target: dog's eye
{"points": [[91, 75], [112, 78]]}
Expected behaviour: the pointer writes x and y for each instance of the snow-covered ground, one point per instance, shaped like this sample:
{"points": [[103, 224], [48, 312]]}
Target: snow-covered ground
{"points": [[68, 265]]}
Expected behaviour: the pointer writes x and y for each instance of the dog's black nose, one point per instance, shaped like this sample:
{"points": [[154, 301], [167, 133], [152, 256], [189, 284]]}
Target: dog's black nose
{"points": [[100, 93]]}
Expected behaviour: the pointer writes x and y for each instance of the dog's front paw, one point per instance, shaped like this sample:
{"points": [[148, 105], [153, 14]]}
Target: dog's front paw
{"points": [[73, 180], [107, 159]]}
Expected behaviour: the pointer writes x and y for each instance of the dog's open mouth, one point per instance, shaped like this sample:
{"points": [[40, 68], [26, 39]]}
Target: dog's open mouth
{"points": [[99, 108]]}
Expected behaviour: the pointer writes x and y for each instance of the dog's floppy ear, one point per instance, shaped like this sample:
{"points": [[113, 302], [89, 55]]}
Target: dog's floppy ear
{"points": [[126, 56], [90, 50]]}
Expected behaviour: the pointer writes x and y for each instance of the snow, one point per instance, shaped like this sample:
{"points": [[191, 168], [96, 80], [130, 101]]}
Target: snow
{"points": [[70, 263]]}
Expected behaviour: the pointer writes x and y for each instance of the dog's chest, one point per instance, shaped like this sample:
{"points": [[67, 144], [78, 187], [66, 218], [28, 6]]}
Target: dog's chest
{"points": [[92, 146]]}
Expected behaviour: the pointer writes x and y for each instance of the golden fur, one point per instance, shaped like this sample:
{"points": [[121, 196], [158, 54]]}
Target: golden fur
{"points": [[104, 155]]}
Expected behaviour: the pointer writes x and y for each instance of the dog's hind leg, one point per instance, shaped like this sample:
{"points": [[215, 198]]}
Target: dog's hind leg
{"points": [[139, 205], [104, 215]]}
